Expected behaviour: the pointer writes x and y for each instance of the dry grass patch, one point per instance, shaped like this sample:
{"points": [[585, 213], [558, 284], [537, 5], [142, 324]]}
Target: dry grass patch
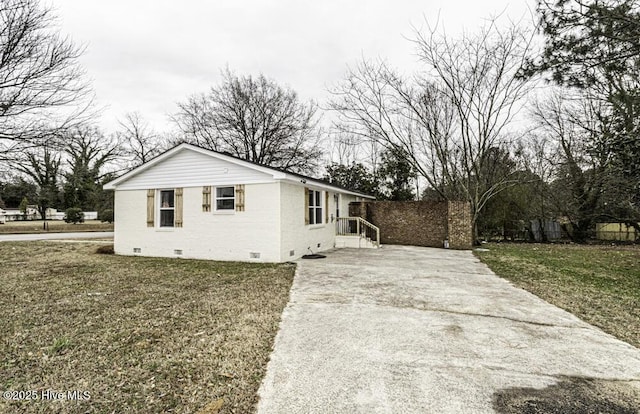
{"points": [[145, 335], [600, 284], [55, 226]]}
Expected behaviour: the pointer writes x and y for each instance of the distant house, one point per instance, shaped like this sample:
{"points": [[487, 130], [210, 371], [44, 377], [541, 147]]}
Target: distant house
{"points": [[33, 213], [617, 232], [194, 203]]}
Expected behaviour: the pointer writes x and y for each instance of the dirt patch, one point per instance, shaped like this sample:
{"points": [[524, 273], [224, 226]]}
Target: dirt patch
{"points": [[454, 330], [107, 249], [571, 396]]}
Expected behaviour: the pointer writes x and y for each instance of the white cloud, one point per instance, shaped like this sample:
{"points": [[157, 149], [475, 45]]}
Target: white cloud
{"points": [[147, 55]]}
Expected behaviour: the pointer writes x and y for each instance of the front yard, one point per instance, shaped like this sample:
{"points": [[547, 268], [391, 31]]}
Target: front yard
{"points": [[599, 284], [141, 335], [54, 226]]}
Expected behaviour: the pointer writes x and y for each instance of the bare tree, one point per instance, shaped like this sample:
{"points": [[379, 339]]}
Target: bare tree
{"points": [[452, 117], [90, 156], [343, 148], [577, 124], [254, 119], [378, 106], [42, 166], [42, 88], [538, 157], [141, 140], [346, 148]]}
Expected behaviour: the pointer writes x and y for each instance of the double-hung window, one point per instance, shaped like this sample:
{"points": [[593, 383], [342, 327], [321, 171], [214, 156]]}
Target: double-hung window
{"points": [[225, 198], [167, 208], [315, 207]]}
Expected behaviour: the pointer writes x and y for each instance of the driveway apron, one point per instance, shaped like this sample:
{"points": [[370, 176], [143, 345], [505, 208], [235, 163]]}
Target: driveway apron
{"points": [[417, 330]]}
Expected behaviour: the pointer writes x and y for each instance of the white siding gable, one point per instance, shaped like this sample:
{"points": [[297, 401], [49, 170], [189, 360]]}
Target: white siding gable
{"points": [[188, 168]]}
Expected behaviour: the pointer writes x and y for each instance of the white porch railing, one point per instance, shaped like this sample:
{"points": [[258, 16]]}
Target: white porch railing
{"points": [[357, 226]]}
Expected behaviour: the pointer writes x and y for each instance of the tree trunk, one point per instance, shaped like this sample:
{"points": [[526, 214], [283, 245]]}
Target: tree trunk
{"points": [[43, 216]]}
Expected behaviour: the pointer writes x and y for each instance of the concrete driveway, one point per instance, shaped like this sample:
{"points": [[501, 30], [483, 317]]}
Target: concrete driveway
{"points": [[418, 330]]}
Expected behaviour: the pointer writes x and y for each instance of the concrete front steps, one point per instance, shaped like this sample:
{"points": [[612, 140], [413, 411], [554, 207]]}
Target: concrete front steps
{"points": [[356, 242]]}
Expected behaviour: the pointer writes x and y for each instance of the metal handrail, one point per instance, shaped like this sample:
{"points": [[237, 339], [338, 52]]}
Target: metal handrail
{"points": [[357, 226]]}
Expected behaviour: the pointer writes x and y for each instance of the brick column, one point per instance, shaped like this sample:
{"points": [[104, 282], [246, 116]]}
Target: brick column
{"points": [[358, 209], [460, 229]]}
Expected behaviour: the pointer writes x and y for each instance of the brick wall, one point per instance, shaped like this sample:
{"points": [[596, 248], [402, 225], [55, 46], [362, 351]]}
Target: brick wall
{"points": [[460, 225], [418, 223]]}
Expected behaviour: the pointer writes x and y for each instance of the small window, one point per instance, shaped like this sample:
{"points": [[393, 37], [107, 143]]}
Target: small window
{"points": [[167, 208], [315, 207], [225, 198]]}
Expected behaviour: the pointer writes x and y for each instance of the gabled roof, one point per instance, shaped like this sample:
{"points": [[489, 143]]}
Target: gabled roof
{"points": [[275, 173]]}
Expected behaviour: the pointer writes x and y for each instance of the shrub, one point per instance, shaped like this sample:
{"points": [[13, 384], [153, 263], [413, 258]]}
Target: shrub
{"points": [[105, 249], [23, 207], [74, 215], [106, 215]]}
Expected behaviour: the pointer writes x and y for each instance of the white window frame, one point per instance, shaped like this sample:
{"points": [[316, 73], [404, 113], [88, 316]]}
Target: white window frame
{"points": [[216, 198], [314, 209], [161, 208]]}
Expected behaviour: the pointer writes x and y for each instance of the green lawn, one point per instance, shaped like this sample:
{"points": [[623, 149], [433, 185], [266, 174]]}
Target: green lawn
{"points": [[54, 226], [140, 335], [599, 284]]}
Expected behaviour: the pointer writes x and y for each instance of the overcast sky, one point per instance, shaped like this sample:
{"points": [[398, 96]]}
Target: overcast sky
{"points": [[146, 56]]}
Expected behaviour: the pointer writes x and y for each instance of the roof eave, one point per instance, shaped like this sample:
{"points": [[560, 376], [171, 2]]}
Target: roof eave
{"points": [[311, 182], [276, 174], [113, 184]]}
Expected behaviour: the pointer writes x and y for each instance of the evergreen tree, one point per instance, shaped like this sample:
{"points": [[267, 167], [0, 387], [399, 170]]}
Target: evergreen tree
{"points": [[355, 177], [397, 175], [594, 45]]}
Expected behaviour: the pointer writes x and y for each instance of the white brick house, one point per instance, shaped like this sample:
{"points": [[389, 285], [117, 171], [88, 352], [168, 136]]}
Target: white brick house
{"points": [[194, 203]]}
